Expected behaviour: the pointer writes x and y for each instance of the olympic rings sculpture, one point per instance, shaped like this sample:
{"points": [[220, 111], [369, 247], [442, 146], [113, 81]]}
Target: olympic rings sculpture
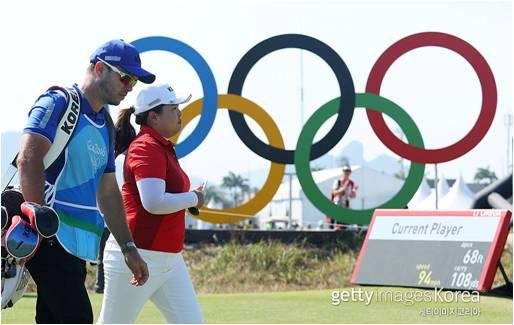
{"points": [[342, 105]]}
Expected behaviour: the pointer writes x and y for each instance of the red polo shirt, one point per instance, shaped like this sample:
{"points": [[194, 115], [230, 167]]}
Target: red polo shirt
{"points": [[152, 156]]}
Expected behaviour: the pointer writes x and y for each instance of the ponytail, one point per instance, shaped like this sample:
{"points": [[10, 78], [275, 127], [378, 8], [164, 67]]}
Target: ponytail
{"points": [[125, 132]]}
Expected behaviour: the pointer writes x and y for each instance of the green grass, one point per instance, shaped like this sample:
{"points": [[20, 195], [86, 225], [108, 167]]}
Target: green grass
{"points": [[305, 307]]}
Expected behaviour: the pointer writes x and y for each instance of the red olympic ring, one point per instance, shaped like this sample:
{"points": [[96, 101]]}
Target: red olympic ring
{"points": [[487, 111]]}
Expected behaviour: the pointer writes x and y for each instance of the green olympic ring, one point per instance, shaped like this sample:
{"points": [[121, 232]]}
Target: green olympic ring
{"points": [[303, 151]]}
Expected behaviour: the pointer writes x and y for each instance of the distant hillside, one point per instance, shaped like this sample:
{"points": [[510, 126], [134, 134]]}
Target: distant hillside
{"points": [[354, 152], [385, 164]]}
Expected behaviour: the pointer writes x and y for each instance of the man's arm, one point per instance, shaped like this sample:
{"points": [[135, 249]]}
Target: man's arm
{"points": [[353, 194], [111, 204], [37, 138], [342, 189], [31, 167]]}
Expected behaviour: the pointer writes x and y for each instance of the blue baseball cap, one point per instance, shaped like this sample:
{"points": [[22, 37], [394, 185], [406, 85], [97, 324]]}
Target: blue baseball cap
{"points": [[125, 55]]}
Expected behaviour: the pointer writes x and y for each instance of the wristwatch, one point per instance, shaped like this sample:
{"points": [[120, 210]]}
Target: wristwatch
{"points": [[125, 247]]}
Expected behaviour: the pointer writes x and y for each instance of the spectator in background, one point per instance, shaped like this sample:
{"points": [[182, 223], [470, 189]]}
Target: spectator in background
{"points": [[343, 190]]}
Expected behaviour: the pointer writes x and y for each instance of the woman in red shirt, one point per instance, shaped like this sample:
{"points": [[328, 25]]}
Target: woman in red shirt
{"points": [[155, 193]]}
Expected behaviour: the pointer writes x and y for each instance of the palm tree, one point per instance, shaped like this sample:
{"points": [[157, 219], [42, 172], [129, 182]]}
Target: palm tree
{"points": [[246, 191], [236, 184], [215, 194], [485, 176]]}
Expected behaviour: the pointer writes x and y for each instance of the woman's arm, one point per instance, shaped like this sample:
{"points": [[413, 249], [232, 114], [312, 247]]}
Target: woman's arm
{"points": [[155, 199]]}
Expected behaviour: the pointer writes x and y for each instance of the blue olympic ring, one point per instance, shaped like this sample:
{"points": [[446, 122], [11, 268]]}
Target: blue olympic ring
{"points": [[210, 98]]}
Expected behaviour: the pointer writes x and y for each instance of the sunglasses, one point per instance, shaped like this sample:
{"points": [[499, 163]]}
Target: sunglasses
{"points": [[125, 78]]}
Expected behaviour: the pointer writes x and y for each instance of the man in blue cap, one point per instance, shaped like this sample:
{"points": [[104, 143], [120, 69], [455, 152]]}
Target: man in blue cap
{"points": [[80, 184]]}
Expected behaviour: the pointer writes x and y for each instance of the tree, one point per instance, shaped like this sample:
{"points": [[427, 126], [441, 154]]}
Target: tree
{"points": [[236, 184], [215, 194], [484, 176], [246, 191]]}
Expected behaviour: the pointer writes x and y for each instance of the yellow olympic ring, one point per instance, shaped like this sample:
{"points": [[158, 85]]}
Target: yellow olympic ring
{"points": [[242, 105]]}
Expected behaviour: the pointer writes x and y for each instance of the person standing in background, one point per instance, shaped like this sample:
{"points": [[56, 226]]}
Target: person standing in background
{"points": [[343, 190]]}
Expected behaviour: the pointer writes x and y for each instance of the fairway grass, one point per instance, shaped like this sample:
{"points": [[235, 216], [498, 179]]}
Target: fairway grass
{"points": [[310, 307]]}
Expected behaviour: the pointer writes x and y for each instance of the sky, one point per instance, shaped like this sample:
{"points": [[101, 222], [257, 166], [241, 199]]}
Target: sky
{"points": [[50, 44]]}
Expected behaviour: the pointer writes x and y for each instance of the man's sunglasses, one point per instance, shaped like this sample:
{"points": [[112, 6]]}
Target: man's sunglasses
{"points": [[125, 78]]}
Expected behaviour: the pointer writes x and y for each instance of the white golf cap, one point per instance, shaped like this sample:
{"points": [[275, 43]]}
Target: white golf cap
{"points": [[153, 96]]}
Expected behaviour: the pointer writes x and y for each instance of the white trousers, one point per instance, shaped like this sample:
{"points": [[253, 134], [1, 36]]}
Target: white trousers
{"points": [[169, 287]]}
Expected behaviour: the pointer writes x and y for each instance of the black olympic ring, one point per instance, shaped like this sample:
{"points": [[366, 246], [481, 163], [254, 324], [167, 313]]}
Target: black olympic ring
{"points": [[346, 87]]}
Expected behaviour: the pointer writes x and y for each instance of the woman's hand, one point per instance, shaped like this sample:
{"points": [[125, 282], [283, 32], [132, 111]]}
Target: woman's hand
{"points": [[200, 195]]}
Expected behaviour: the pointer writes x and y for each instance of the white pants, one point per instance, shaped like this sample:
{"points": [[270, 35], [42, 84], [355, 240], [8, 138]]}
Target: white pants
{"points": [[169, 287]]}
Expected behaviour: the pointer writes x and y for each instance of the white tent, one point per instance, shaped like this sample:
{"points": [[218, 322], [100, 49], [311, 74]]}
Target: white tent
{"points": [[421, 194], [374, 188], [429, 202], [459, 197]]}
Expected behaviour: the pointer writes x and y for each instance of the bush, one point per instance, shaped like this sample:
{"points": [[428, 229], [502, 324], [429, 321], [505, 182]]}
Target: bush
{"points": [[274, 266], [266, 266]]}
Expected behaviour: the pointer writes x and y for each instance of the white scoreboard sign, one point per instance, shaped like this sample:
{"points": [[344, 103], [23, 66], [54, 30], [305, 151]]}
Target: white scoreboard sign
{"points": [[442, 249]]}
